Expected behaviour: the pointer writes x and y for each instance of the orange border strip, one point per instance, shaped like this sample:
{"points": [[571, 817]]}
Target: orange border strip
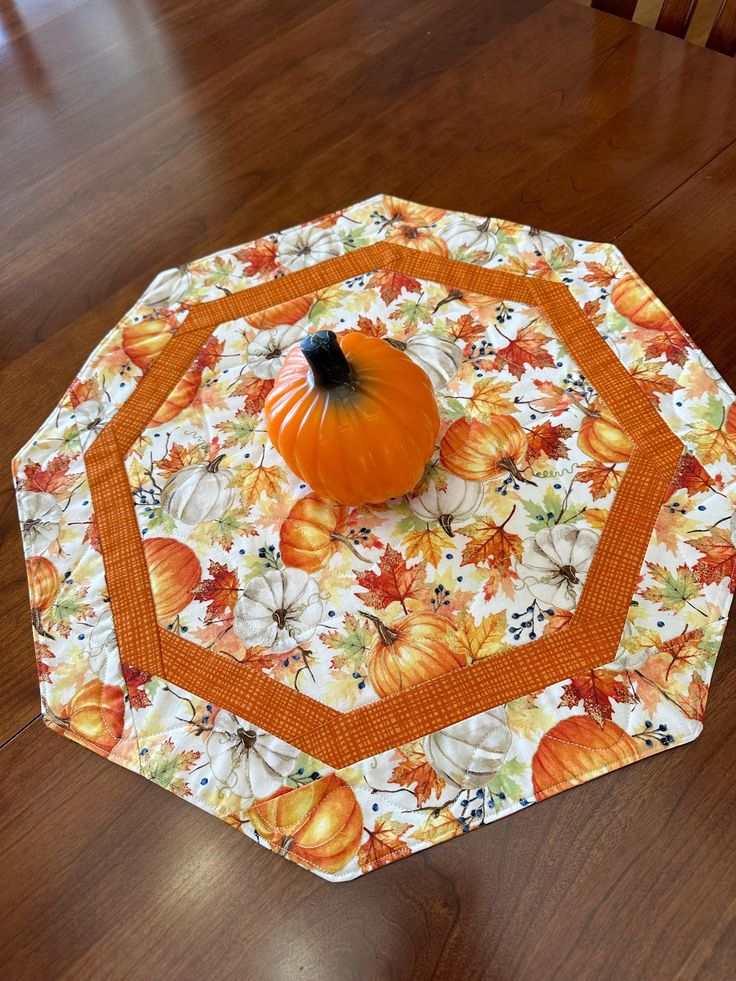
{"points": [[340, 739]]}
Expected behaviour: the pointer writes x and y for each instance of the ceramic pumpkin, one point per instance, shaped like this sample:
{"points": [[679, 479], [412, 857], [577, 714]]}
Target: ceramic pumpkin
{"points": [[278, 610], [470, 753], [200, 492], [353, 417], [144, 341], [313, 532], [414, 649], [634, 300], [601, 437], [319, 825], [455, 501], [485, 450], [96, 714], [174, 571], [178, 398], [282, 314], [439, 357], [576, 749]]}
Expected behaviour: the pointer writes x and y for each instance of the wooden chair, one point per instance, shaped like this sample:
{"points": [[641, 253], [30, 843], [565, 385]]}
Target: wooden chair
{"points": [[675, 16]]}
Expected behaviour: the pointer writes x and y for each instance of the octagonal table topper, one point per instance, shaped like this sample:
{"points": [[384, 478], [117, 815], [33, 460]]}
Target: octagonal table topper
{"points": [[351, 685]]}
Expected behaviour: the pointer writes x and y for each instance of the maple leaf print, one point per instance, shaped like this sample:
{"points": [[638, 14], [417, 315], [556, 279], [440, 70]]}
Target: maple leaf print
{"points": [[239, 429], [600, 274], [596, 690], [602, 477], [180, 456], [692, 476], [683, 649], [553, 398], [82, 391], [257, 480], [673, 590], [92, 535], [526, 350], [697, 694], [135, 679], [491, 543], [351, 644], [209, 354], [431, 544], [548, 440], [648, 376], [489, 398], [395, 583], [439, 826], [390, 284], [715, 433], [219, 590], [54, 478], [718, 559], [255, 391], [385, 844], [465, 328], [414, 772], [259, 259], [372, 328], [591, 309], [484, 639]]}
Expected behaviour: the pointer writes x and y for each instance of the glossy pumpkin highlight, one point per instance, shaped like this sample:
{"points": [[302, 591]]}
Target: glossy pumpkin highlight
{"points": [[353, 417]]}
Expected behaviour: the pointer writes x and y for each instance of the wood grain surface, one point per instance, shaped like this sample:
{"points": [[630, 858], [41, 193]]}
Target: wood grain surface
{"points": [[138, 134]]}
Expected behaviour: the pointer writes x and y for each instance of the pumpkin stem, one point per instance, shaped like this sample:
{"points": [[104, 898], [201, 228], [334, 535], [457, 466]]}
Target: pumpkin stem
{"points": [[329, 365], [445, 521], [387, 635], [452, 295], [508, 464], [399, 345], [38, 625], [353, 549], [286, 842], [214, 465]]}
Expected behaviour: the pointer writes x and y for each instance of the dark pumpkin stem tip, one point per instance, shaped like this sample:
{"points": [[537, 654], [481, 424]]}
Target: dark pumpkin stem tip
{"points": [[329, 365]]}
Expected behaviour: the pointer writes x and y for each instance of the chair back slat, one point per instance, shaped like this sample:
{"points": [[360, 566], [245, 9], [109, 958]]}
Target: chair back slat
{"points": [[621, 8], [722, 36], [675, 16]]}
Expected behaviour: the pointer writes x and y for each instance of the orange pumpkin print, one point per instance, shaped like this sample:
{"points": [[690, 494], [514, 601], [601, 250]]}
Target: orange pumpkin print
{"points": [[282, 314], [319, 825], [179, 398], [485, 450], [313, 532], [601, 437], [416, 648], [43, 581], [339, 414], [144, 341], [634, 300], [416, 237], [96, 714], [174, 571], [575, 749]]}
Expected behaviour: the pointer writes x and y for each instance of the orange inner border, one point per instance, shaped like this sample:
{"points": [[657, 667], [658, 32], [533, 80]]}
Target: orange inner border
{"points": [[339, 739]]}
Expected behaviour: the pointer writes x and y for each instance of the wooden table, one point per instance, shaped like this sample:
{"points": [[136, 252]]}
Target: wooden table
{"points": [[137, 135]]}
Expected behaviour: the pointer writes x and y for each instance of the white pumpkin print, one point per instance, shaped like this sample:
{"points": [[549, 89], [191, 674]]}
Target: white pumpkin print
{"points": [[90, 417], [455, 503], [40, 517], [470, 753], [306, 246], [200, 492], [267, 350], [546, 243], [555, 564], [468, 234], [168, 288], [246, 760], [278, 610], [439, 357], [102, 642]]}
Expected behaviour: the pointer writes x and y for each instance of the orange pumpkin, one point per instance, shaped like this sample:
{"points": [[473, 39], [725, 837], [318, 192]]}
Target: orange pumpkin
{"points": [[43, 581], [634, 300], [575, 749], [144, 341], [319, 825], [174, 571], [283, 313], [416, 237], [485, 450], [601, 437], [96, 714], [353, 417], [179, 398], [312, 533], [418, 647]]}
